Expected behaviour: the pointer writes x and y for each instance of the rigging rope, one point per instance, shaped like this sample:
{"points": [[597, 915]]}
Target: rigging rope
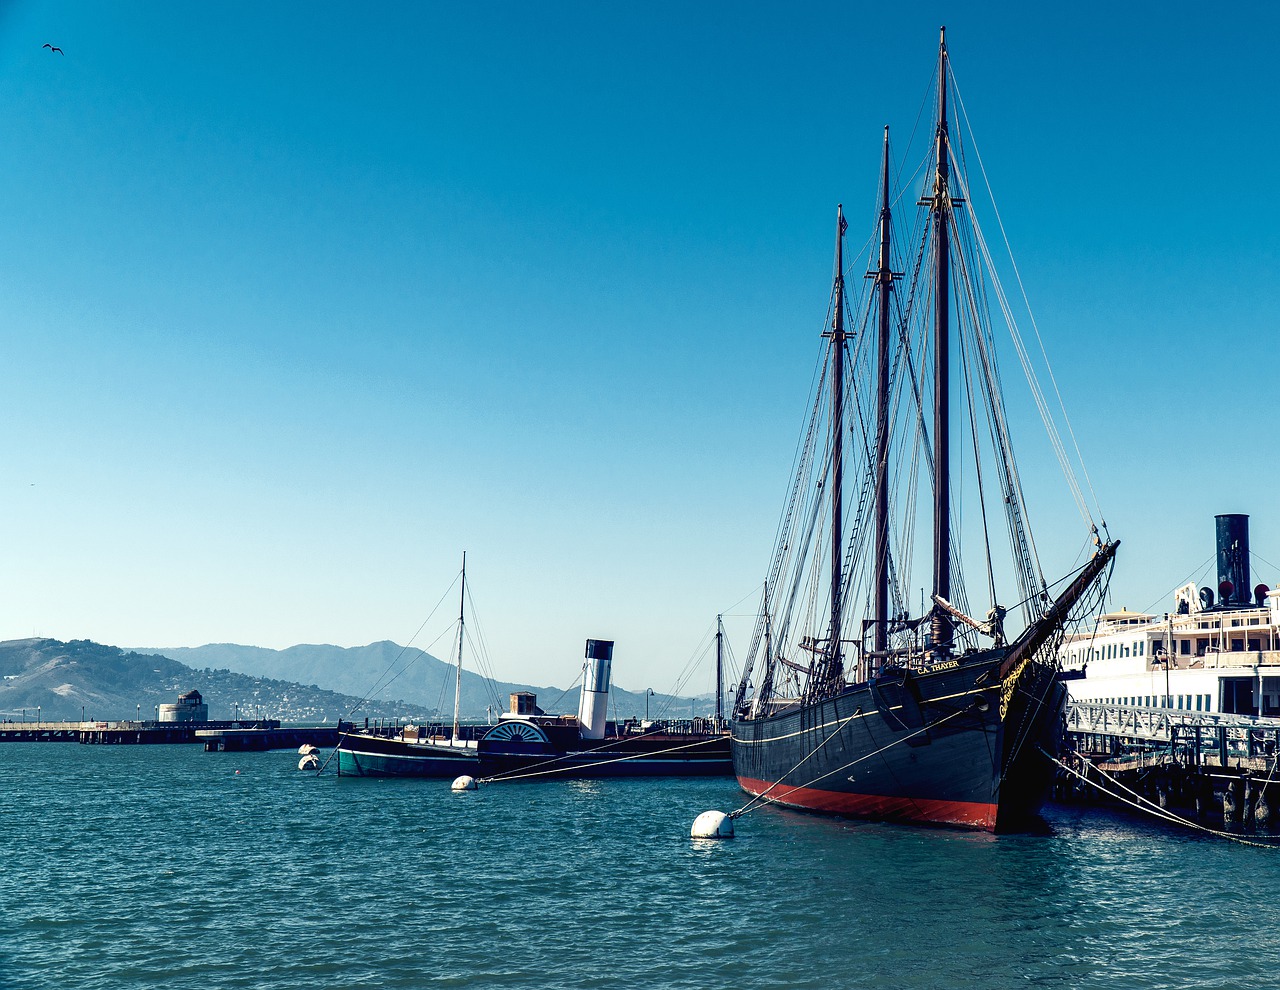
{"points": [[504, 778], [1145, 804], [749, 806]]}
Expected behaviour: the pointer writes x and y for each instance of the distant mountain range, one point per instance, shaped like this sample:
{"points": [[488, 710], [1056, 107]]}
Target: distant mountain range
{"points": [[386, 670], [67, 681], [382, 680]]}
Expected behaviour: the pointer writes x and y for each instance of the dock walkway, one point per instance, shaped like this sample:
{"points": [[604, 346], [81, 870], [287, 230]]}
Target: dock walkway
{"points": [[1219, 770]]}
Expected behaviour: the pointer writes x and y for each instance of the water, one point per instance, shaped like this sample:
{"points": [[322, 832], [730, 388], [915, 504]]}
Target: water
{"points": [[165, 866]]}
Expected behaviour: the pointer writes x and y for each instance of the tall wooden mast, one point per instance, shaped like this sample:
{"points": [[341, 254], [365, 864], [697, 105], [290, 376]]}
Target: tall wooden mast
{"points": [[834, 660], [462, 610], [940, 209], [884, 283], [719, 669]]}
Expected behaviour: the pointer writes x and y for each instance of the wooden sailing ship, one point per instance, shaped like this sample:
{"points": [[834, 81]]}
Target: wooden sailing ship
{"points": [[933, 717]]}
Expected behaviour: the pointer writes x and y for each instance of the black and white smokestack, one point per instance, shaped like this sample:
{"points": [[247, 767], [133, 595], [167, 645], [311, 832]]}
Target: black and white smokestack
{"points": [[1233, 559]]}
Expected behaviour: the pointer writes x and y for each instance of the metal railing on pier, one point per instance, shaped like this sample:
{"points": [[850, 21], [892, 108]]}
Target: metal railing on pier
{"points": [[1150, 736]]}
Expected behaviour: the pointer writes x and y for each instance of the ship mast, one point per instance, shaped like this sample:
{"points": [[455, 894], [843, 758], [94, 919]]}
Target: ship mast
{"points": [[719, 670], [834, 665], [940, 210], [457, 687], [884, 283]]}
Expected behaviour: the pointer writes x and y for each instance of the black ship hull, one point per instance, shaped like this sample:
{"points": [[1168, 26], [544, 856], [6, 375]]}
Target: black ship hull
{"points": [[525, 750], [363, 754], [520, 749], [952, 746]]}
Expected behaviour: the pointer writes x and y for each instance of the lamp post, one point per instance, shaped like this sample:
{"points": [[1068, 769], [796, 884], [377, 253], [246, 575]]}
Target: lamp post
{"points": [[37, 716]]}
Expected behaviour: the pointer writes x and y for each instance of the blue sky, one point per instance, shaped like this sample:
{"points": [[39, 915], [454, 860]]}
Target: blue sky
{"points": [[298, 301]]}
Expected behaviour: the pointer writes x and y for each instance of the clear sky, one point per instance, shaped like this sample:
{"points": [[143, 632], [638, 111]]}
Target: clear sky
{"points": [[299, 301]]}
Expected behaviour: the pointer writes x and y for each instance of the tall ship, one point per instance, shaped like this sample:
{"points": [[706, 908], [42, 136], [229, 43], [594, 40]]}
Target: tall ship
{"points": [[857, 698], [1215, 652]]}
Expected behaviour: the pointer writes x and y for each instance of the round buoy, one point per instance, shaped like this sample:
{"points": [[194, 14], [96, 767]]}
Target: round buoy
{"points": [[465, 783], [306, 749], [712, 825], [309, 762]]}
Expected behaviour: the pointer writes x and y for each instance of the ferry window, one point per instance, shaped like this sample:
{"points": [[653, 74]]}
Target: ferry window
{"points": [[1124, 649], [1237, 645], [1253, 644], [1185, 647], [1207, 705]]}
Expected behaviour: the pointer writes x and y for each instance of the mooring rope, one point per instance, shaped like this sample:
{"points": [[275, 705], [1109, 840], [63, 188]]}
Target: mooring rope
{"points": [[753, 803], [507, 777], [1147, 805]]}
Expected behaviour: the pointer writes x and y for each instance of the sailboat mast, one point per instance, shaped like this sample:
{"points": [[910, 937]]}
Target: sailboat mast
{"points": [[884, 283], [837, 449], [719, 669], [940, 208], [462, 610]]}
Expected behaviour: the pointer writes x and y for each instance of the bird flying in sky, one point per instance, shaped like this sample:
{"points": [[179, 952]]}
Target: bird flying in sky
{"points": [[53, 48]]}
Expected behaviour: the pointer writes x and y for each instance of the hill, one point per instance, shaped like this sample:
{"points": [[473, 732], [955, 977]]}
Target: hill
{"points": [[68, 681], [385, 670]]}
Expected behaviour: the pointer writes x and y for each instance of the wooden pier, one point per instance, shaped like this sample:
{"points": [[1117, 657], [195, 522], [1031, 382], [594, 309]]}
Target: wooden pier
{"points": [[267, 733], [1216, 770], [261, 739], [41, 731]]}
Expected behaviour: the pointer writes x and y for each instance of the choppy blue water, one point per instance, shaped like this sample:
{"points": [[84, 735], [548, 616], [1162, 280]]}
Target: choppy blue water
{"points": [[165, 866]]}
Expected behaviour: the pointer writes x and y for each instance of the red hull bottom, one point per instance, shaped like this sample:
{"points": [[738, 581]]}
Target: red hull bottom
{"points": [[965, 814]]}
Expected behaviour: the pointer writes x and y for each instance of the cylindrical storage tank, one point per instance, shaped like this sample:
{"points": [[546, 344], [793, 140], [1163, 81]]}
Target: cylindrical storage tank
{"points": [[190, 707], [594, 706], [1233, 559]]}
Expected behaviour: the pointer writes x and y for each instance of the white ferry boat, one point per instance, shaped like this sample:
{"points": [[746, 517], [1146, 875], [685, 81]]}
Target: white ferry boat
{"points": [[1215, 652]]}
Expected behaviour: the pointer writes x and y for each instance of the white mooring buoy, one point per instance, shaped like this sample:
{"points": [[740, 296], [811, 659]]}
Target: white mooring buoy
{"points": [[309, 762], [465, 783], [712, 825], [306, 749]]}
